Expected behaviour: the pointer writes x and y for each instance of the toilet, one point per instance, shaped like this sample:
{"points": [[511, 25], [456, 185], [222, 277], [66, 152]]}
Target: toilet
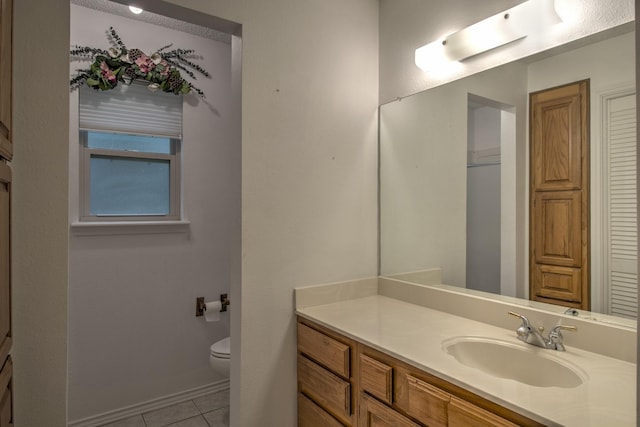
{"points": [[220, 357]]}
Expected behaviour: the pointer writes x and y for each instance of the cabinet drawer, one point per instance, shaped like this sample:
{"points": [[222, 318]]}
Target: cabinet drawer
{"points": [[5, 260], [325, 388], [328, 352], [427, 403], [376, 378], [311, 415], [6, 408], [465, 414], [375, 414]]}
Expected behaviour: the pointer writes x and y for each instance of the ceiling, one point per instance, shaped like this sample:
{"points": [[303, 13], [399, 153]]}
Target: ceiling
{"points": [[152, 18]]}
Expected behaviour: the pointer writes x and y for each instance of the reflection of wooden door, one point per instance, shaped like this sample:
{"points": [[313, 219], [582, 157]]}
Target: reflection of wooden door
{"points": [[559, 196]]}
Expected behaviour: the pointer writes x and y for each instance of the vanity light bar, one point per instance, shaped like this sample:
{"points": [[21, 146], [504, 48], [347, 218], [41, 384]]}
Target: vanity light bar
{"points": [[495, 31]]}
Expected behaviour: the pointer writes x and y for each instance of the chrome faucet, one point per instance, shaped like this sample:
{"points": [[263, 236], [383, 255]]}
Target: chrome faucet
{"points": [[555, 337], [530, 335]]}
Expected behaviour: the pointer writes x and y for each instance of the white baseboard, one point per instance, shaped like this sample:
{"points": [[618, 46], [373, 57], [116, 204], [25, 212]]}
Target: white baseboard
{"points": [[150, 405]]}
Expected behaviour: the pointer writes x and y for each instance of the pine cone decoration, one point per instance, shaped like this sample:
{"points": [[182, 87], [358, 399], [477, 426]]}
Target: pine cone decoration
{"points": [[129, 75], [174, 82], [135, 54]]}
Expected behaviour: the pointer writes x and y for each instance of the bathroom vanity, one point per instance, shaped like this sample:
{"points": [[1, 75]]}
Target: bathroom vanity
{"points": [[377, 388], [374, 360]]}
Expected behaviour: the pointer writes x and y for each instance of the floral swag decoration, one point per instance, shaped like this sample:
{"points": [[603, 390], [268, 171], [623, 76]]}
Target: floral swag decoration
{"points": [[118, 64]]}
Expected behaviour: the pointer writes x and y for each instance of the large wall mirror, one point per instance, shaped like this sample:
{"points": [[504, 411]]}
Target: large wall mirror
{"points": [[454, 176]]}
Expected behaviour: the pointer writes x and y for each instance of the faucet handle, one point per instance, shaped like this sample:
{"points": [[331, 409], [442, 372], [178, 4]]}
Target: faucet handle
{"points": [[525, 321], [555, 337], [513, 313], [556, 329], [523, 330]]}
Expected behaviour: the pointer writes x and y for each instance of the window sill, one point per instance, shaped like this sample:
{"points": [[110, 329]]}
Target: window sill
{"points": [[104, 228]]}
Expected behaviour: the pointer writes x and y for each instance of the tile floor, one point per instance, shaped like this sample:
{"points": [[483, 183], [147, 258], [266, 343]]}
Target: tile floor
{"points": [[211, 410]]}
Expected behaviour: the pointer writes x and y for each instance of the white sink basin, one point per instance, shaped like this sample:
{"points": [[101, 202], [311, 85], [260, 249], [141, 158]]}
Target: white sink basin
{"points": [[529, 365]]}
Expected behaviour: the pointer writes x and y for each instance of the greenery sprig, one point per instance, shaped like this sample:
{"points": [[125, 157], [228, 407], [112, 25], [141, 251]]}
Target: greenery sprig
{"points": [[117, 64]]}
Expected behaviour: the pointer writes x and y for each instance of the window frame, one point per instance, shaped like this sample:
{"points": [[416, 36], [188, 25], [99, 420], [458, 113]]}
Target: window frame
{"points": [[175, 198]]}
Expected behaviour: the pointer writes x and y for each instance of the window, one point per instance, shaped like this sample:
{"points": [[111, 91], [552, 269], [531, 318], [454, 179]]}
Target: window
{"points": [[130, 155], [129, 176]]}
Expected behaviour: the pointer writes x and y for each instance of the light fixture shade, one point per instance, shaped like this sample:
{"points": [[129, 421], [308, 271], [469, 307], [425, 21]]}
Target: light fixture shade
{"points": [[493, 32], [488, 34]]}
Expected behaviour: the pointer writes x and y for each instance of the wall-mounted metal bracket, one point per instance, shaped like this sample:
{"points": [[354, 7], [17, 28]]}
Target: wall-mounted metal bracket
{"points": [[225, 302], [200, 306]]}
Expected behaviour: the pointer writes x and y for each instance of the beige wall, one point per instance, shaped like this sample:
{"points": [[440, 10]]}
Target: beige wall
{"points": [[40, 201], [309, 98], [309, 133]]}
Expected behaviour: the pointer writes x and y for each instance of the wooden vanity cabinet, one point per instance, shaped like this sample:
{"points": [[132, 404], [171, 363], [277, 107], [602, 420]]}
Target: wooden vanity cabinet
{"points": [[465, 414], [427, 400], [312, 415], [6, 154], [344, 383], [6, 411], [326, 377], [376, 414], [6, 407]]}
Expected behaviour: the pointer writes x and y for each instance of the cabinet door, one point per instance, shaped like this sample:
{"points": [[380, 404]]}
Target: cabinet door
{"points": [[6, 62], [427, 403], [376, 378], [6, 406], [328, 390], [5, 262], [375, 414], [465, 414], [330, 353], [311, 415]]}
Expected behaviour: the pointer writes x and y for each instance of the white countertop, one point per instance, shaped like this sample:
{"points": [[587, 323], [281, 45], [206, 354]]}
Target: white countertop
{"points": [[414, 334]]}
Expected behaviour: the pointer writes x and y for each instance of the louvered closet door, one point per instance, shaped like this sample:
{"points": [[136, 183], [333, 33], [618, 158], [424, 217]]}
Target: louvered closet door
{"points": [[622, 224]]}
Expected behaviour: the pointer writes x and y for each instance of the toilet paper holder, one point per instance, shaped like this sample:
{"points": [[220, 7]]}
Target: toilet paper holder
{"points": [[200, 306]]}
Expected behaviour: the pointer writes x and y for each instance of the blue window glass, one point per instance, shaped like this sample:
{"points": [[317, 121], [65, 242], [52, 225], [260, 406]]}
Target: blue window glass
{"points": [[129, 186], [125, 142]]}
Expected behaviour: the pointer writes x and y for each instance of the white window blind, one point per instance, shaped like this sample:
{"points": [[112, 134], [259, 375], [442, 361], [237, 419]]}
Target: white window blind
{"points": [[131, 109], [623, 234]]}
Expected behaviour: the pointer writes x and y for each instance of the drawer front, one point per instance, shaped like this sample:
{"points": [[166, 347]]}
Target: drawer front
{"points": [[376, 378], [375, 414], [6, 408], [311, 415], [465, 414], [328, 352], [427, 403], [325, 388]]}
